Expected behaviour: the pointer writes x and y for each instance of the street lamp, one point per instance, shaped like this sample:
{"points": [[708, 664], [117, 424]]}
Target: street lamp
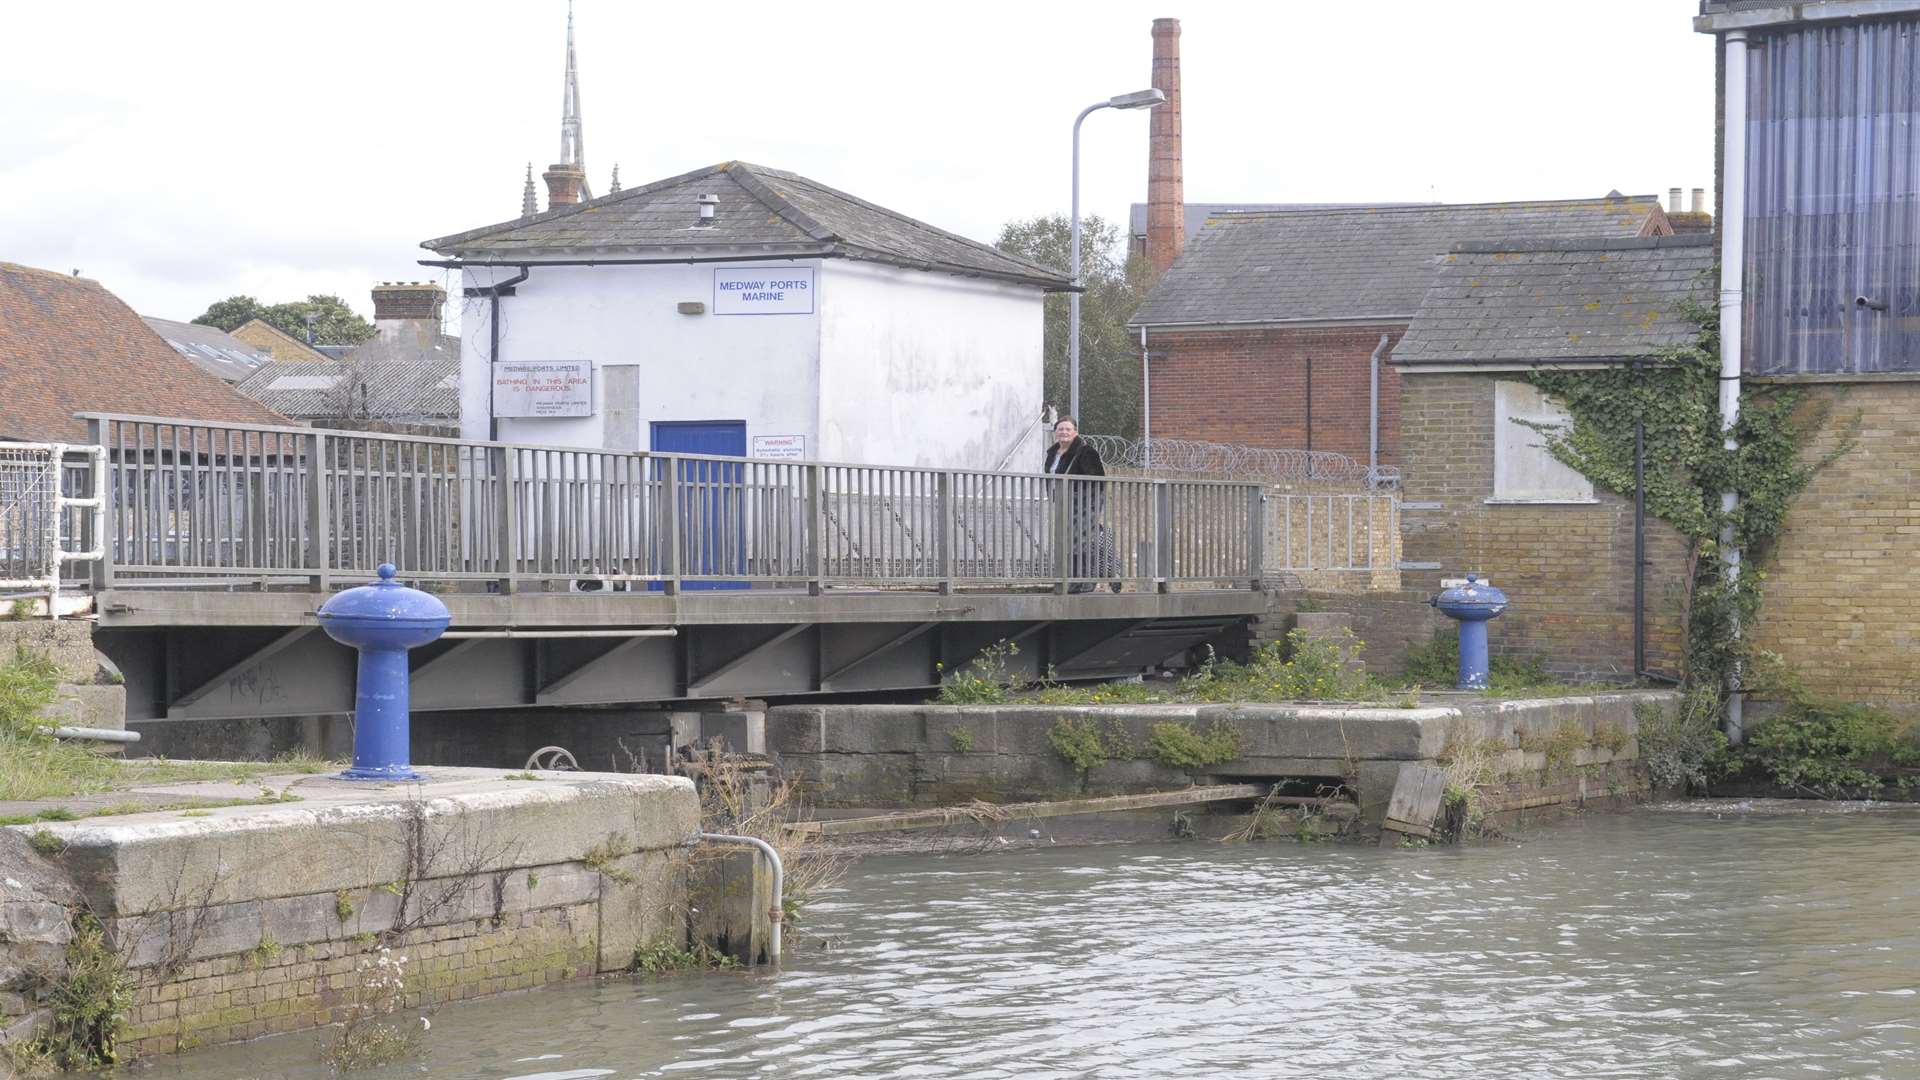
{"points": [[1139, 99]]}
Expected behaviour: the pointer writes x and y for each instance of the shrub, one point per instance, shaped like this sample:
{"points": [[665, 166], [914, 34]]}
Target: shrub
{"points": [[1177, 744], [1829, 749], [1684, 745], [88, 1003], [986, 680], [1077, 741]]}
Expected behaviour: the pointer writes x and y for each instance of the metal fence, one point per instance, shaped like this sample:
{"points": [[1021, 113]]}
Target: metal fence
{"points": [[50, 509], [192, 501], [1308, 534]]}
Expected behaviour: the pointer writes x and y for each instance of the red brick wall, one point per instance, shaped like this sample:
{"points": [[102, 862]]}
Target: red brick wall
{"points": [[1249, 386]]}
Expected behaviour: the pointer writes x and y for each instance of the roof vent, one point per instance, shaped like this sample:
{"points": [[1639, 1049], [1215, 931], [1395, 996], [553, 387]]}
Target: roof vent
{"points": [[709, 205]]}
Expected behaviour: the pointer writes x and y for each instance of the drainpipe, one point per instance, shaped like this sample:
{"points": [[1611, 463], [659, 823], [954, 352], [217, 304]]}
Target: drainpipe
{"points": [[1146, 402], [1309, 396], [492, 293], [1733, 253], [774, 914], [1373, 413]]}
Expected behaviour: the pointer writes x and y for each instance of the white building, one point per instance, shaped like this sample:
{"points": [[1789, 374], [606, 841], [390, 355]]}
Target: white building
{"points": [[740, 309]]}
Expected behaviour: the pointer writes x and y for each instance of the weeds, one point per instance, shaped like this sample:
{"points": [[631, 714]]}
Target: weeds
{"points": [[1176, 744], [601, 857], [88, 1003], [371, 1036], [961, 739], [1683, 746], [737, 799], [986, 680], [1829, 749], [46, 842], [1077, 741], [665, 957]]}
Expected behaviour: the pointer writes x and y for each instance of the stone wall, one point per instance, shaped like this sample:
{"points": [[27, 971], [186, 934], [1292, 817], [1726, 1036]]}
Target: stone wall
{"points": [[1566, 569], [899, 756], [249, 920]]}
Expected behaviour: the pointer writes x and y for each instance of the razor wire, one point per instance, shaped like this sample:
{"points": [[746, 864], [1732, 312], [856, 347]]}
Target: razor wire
{"points": [[1241, 462]]}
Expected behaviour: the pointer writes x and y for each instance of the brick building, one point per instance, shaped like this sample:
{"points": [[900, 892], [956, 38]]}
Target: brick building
{"points": [[1819, 169], [1264, 331], [1482, 494]]}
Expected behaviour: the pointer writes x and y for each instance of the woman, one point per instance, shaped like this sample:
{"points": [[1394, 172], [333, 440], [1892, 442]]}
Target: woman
{"points": [[1071, 455]]}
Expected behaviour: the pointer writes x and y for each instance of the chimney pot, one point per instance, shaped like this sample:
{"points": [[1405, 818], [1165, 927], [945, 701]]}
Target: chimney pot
{"points": [[1674, 205], [409, 301], [1699, 200], [564, 184], [709, 206], [1166, 190]]}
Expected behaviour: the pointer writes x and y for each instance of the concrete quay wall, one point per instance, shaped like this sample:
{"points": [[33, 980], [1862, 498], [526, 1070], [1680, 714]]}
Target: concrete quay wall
{"points": [[244, 921], [902, 756]]}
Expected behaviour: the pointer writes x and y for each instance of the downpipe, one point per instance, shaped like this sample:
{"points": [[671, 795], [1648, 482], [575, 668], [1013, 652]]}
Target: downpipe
{"points": [[1733, 252], [775, 913]]}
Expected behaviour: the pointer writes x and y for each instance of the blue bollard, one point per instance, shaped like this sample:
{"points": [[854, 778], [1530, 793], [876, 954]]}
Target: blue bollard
{"points": [[383, 621], [1472, 605]]}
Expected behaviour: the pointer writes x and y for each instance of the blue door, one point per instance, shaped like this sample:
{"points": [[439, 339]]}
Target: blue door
{"points": [[713, 525]]}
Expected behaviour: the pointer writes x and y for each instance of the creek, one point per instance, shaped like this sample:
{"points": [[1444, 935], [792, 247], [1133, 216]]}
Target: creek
{"points": [[1681, 942]]}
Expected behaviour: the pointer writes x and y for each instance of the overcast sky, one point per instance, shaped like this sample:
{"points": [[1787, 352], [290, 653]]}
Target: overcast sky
{"points": [[184, 152]]}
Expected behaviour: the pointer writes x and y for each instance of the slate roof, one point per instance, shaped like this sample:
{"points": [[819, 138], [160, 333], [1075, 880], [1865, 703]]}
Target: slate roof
{"points": [[762, 213], [1369, 263], [67, 345], [1197, 213], [214, 350], [1559, 301], [409, 375]]}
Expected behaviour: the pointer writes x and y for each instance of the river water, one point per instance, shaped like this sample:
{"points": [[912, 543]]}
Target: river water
{"points": [[1648, 944]]}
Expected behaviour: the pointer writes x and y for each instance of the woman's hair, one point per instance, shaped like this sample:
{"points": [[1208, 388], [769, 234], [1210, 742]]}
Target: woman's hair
{"points": [[1066, 420]]}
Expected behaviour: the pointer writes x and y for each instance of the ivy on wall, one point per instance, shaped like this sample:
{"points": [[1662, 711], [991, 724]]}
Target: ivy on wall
{"points": [[1677, 393]]}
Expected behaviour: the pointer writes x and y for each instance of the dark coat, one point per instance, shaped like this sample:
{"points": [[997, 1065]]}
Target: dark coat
{"points": [[1082, 459]]}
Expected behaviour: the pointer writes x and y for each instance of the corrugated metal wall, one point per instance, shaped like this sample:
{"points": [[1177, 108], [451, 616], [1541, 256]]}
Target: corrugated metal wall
{"points": [[1833, 199]]}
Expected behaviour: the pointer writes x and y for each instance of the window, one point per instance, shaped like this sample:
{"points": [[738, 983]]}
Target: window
{"points": [[1523, 470]]}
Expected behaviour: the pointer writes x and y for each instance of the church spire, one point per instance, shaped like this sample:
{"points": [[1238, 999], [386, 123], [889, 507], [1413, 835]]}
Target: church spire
{"points": [[529, 202], [572, 146], [615, 185]]}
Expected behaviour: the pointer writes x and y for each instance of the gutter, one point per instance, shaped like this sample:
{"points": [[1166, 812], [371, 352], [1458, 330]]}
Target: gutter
{"points": [[1277, 324], [837, 251]]}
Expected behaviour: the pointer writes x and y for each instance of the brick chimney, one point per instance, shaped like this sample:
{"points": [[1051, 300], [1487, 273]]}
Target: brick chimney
{"points": [[401, 305], [1166, 194], [564, 183]]}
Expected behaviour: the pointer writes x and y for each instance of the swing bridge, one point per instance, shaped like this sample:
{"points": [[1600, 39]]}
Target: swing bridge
{"points": [[582, 577]]}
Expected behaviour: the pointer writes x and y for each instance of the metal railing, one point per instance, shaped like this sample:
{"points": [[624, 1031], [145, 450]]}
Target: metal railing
{"points": [[50, 515], [189, 500], [1331, 533]]}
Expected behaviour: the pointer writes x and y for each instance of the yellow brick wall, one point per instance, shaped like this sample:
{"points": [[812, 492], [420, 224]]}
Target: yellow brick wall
{"points": [[1566, 569], [1842, 594]]}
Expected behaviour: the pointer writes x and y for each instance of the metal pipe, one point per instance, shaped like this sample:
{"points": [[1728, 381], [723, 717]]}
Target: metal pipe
{"points": [[775, 914], [1309, 400], [94, 733], [1733, 215], [510, 632], [492, 293], [1373, 412], [1073, 271], [1146, 402]]}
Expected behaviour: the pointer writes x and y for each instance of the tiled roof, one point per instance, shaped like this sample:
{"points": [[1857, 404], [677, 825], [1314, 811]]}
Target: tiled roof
{"points": [[215, 351], [67, 345], [762, 213], [274, 341], [1559, 301], [1362, 263], [410, 375], [1197, 213]]}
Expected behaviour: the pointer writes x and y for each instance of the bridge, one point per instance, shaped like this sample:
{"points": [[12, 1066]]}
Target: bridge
{"points": [[581, 577]]}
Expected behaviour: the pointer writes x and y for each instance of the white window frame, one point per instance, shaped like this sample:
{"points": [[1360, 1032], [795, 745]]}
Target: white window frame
{"points": [[1525, 473]]}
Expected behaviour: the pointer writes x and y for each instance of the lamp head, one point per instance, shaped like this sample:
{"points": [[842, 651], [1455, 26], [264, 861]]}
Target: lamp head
{"points": [[1139, 99]]}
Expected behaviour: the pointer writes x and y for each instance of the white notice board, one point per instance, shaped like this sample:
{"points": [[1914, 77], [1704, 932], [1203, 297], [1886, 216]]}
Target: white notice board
{"points": [[763, 290], [780, 447], [548, 388]]}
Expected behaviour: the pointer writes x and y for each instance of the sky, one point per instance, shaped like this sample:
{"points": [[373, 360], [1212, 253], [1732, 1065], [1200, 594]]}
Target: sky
{"points": [[189, 151]]}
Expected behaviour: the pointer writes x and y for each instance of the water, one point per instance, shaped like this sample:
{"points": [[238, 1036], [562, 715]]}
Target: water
{"points": [[1652, 944]]}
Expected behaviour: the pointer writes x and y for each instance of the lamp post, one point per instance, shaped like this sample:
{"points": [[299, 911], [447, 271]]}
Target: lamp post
{"points": [[1139, 99]]}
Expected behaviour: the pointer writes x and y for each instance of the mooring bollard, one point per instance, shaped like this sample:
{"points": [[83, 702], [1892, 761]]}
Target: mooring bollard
{"points": [[1472, 604], [383, 620]]}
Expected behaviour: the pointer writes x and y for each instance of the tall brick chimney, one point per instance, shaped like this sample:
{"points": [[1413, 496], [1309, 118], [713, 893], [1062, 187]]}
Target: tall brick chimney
{"points": [[399, 305], [1166, 194], [564, 183]]}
